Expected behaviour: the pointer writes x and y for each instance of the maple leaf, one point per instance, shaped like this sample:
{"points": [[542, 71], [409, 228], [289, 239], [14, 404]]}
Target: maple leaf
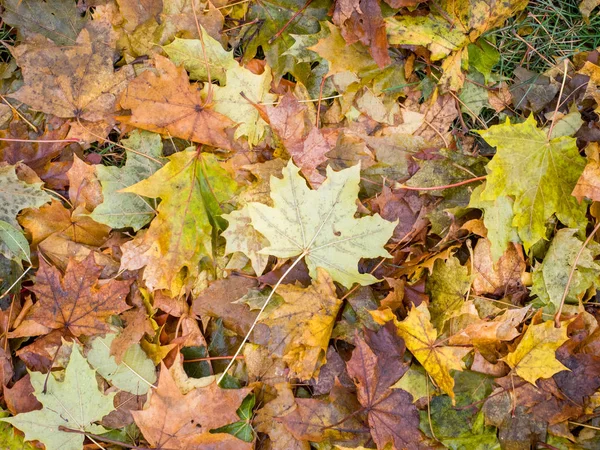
{"points": [[78, 80], [230, 102], [420, 338], [192, 187], [55, 220], [551, 277], [303, 141], [16, 195], [498, 219], [13, 244], [450, 27], [301, 326], [375, 366], [189, 52], [242, 237], [74, 403], [75, 301], [165, 102], [134, 374], [447, 285], [535, 356], [172, 420], [122, 209], [320, 224], [361, 20], [58, 20], [539, 173], [353, 58]]}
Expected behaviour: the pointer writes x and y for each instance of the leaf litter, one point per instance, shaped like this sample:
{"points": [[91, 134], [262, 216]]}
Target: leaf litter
{"points": [[350, 224]]}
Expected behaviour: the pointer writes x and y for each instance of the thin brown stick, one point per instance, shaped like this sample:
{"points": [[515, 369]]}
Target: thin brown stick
{"points": [[570, 279], [41, 141], [437, 188], [102, 438], [289, 22]]}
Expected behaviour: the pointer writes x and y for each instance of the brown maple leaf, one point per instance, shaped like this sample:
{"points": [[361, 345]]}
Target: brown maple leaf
{"points": [[73, 81], [304, 142], [77, 301], [361, 20], [172, 420], [375, 366], [165, 102]]}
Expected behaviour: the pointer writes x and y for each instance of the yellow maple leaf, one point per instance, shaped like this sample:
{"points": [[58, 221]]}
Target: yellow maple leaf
{"points": [[301, 326], [535, 356], [420, 338]]}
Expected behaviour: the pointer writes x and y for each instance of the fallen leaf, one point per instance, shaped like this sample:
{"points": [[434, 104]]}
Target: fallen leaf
{"points": [[361, 20], [192, 187], [300, 326], [58, 20], [84, 187], [375, 367], [447, 286], [550, 278], [242, 237], [165, 102], [76, 301], [500, 277], [16, 195], [122, 209], [420, 338], [79, 80], [172, 420], [55, 220], [539, 173], [74, 403], [324, 228], [134, 374], [189, 52], [236, 100], [535, 356]]}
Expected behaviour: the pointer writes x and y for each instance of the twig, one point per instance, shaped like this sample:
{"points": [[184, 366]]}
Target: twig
{"points": [[42, 141], [101, 438], [286, 273], [437, 188], [570, 279], [562, 87], [289, 22]]}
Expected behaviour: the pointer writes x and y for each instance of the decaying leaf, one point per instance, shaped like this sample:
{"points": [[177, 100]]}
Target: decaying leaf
{"points": [[75, 301], [165, 102], [301, 326]]}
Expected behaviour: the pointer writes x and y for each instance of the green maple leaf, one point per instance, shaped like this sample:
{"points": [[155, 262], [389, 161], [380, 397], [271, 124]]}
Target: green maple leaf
{"points": [[13, 243], [135, 374], [498, 217], [16, 195], [58, 20], [189, 52], [538, 173], [192, 187], [551, 277], [122, 209], [320, 224], [74, 403]]}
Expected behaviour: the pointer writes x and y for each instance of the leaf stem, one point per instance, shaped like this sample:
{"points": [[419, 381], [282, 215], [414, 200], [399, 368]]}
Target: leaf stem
{"points": [[437, 188], [285, 274]]}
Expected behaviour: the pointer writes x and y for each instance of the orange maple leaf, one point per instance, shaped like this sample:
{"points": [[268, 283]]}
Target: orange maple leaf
{"points": [[76, 301]]}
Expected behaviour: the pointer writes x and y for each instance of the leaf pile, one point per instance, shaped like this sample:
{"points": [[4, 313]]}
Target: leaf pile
{"points": [[279, 224]]}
